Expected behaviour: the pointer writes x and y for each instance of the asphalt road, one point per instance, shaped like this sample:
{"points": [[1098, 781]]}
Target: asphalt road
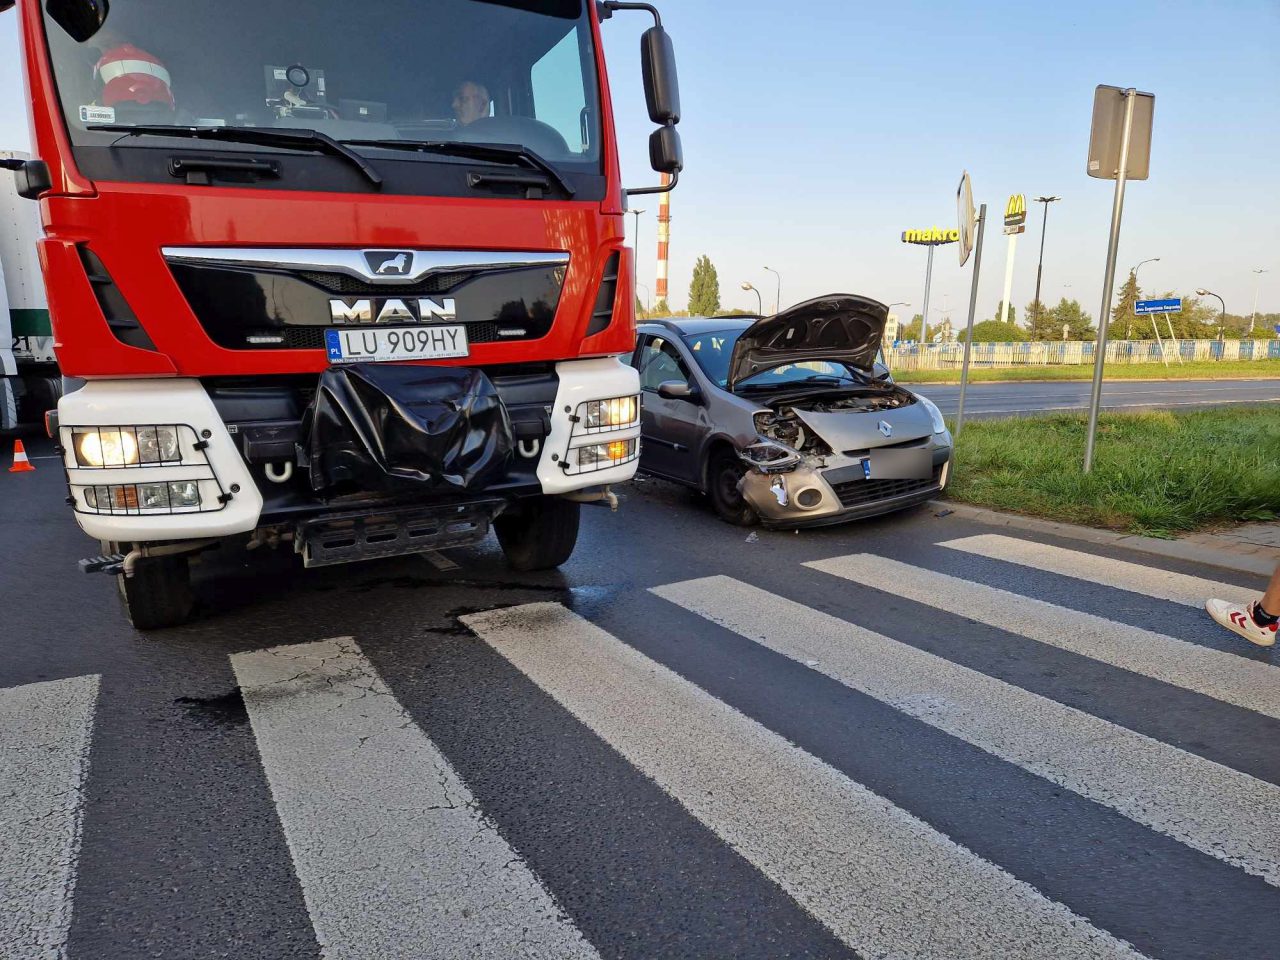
{"points": [[691, 742], [1007, 398]]}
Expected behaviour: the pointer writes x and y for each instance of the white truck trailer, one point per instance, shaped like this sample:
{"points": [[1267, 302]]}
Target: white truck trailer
{"points": [[29, 380]]}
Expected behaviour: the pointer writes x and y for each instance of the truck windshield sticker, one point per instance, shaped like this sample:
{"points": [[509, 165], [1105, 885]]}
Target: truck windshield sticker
{"points": [[94, 114]]}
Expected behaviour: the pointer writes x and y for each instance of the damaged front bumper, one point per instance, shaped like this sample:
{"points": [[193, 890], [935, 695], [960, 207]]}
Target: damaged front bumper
{"points": [[834, 489]]}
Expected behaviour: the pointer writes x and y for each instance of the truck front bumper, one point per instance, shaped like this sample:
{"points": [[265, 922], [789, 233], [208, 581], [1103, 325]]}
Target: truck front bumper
{"points": [[116, 503]]}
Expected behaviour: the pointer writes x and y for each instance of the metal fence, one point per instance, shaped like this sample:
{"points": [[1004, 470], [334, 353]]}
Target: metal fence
{"points": [[907, 357]]}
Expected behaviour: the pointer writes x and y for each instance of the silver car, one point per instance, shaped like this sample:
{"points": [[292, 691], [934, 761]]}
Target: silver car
{"points": [[787, 420]]}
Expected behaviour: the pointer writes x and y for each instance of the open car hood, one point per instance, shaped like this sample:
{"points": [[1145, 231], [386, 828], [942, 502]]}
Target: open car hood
{"points": [[840, 327]]}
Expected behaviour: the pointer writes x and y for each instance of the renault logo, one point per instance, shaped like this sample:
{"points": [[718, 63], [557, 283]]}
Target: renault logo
{"points": [[885, 428], [389, 263]]}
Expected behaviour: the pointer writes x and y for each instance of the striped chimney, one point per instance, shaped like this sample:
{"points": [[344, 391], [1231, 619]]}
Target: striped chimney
{"points": [[664, 238]]}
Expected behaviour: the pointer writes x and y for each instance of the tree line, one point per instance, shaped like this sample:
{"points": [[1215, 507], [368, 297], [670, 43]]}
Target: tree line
{"points": [[1200, 319]]}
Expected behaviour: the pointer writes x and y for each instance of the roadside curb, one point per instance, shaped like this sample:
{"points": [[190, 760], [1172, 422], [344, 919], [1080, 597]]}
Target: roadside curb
{"points": [[1170, 549]]}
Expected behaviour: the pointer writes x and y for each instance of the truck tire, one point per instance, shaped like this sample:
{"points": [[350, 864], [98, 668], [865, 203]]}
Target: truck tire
{"points": [[158, 594], [724, 473], [538, 533]]}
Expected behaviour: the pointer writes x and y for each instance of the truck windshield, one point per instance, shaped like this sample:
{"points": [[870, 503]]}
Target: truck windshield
{"points": [[519, 72]]}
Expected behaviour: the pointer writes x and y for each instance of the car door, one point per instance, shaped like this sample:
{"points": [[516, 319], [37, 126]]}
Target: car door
{"points": [[669, 428]]}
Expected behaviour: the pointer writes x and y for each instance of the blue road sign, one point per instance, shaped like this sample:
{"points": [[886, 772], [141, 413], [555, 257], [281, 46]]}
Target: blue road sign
{"points": [[1172, 305]]}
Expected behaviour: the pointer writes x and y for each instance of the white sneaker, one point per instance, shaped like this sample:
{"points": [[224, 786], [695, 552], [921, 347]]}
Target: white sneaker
{"points": [[1239, 620]]}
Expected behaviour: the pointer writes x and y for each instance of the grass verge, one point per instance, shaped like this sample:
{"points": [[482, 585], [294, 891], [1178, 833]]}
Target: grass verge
{"points": [[1197, 370], [1158, 474]]}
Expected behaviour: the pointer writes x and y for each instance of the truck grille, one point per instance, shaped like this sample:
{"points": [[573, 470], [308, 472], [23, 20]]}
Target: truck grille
{"points": [[354, 286], [856, 493]]}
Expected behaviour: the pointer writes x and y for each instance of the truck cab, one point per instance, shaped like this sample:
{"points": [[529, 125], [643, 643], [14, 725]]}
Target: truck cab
{"points": [[353, 282]]}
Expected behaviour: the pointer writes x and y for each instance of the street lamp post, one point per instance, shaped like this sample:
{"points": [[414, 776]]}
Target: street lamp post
{"points": [[1253, 317], [635, 253], [1134, 271], [1222, 321], [1044, 223], [777, 300], [759, 302], [648, 299]]}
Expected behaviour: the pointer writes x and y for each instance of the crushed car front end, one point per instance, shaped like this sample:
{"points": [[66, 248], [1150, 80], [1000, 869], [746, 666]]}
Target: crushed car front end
{"points": [[854, 454]]}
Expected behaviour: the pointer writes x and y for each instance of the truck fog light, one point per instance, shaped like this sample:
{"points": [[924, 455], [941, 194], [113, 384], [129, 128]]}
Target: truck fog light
{"points": [[184, 493], [111, 499], [606, 454], [105, 447], [809, 498]]}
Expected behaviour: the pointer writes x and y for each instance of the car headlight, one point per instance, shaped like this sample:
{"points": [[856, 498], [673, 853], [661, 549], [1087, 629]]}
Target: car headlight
{"points": [[770, 455], [125, 446], [939, 422], [616, 413]]}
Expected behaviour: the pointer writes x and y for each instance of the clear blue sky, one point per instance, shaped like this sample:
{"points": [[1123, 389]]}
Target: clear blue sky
{"points": [[814, 133]]}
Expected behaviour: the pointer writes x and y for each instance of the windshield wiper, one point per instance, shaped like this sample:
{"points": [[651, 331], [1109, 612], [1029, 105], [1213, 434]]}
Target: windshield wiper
{"points": [[298, 139], [508, 153]]}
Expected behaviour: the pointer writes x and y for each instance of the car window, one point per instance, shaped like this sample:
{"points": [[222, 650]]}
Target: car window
{"points": [[659, 362]]}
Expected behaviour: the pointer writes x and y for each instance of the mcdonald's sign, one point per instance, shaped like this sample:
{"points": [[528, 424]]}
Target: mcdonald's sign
{"points": [[1015, 214]]}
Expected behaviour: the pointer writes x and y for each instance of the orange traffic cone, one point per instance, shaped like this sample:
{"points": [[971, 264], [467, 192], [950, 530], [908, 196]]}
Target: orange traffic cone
{"points": [[20, 462]]}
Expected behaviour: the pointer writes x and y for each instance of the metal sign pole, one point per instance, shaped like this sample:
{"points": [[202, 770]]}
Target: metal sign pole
{"points": [[928, 278], [1177, 347], [1160, 343], [973, 302], [1109, 278]]}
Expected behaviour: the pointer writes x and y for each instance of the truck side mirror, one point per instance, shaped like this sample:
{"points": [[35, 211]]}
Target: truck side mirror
{"points": [[665, 153], [658, 65], [80, 18]]}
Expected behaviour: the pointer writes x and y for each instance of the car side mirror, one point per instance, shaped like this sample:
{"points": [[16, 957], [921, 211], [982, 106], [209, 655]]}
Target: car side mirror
{"points": [[80, 18], [880, 372], [679, 390]]}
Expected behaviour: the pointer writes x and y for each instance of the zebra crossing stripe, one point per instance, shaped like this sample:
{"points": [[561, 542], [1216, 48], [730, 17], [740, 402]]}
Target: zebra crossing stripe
{"points": [[45, 731], [1223, 676], [885, 882], [394, 858], [1148, 581], [1212, 808]]}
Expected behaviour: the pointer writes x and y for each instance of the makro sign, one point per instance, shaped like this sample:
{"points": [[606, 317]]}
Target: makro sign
{"points": [[931, 238]]}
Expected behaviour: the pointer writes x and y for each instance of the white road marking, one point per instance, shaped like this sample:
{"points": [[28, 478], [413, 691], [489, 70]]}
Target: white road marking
{"points": [[1236, 680], [1121, 574], [45, 731], [394, 857], [439, 560], [882, 880], [1212, 808]]}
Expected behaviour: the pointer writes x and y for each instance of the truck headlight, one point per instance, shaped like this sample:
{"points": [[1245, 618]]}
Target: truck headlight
{"points": [[125, 446], [616, 413], [135, 497], [939, 422]]}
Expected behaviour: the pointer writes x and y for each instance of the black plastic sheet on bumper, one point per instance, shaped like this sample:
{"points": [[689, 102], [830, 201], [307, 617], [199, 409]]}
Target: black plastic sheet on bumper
{"points": [[387, 427]]}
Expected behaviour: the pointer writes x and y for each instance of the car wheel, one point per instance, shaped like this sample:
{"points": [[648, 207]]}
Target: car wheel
{"points": [[724, 474]]}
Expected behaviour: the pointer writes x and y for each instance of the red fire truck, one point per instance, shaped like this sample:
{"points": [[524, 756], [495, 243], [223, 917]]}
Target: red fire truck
{"points": [[345, 278]]}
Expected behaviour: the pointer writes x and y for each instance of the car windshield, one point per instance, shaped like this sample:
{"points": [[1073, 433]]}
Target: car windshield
{"points": [[713, 351], [519, 72]]}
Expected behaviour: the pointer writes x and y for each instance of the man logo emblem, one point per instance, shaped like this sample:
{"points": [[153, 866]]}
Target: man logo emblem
{"points": [[885, 428], [389, 263]]}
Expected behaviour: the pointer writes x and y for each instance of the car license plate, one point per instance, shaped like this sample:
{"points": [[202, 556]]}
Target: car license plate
{"points": [[898, 465], [433, 342]]}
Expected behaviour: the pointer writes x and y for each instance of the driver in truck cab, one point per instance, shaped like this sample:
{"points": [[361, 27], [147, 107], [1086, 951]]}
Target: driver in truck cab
{"points": [[470, 102]]}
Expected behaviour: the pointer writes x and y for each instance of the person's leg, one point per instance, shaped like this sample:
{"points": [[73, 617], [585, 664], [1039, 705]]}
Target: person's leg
{"points": [[1271, 599], [1258, 621]]}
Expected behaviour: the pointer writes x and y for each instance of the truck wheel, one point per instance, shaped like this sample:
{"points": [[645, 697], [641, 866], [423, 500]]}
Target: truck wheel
{"points": [[538, 533], [724, 473], [158, 594]]}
